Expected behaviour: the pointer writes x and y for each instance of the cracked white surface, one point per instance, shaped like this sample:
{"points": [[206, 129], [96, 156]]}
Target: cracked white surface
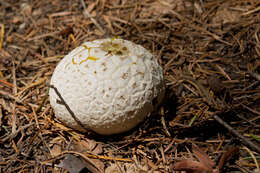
{"points": [[110, 85]]}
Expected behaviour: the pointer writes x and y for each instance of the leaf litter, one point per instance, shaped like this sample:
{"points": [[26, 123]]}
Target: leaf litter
{"points": [[210, 54]]}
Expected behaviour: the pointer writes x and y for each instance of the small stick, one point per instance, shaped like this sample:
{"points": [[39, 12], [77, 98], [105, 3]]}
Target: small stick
{"points": [[86, 13], [255, 75], [244, 140], [2, 34], [68, 108], [164, 123], [203, 92], [12, 135], [14, 116]]}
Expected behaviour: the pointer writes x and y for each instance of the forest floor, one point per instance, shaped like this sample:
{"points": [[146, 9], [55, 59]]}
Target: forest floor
{"points": [[210, 53]]}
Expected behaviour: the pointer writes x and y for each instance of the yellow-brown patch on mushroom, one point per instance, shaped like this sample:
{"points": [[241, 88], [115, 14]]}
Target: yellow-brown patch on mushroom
{"points": [[124, 76], [134, 85], [114, 48], [73, 60]]}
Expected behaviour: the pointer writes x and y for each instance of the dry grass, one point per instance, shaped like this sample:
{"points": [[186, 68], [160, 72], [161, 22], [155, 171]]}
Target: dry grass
{"points": [[210, 52]]}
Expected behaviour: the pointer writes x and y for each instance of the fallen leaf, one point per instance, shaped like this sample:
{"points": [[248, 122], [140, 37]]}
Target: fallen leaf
{"points": [[163, 7], [125, 167], [55, 146], [72, 164], [203, 157], [190, 165], [226, 156], [226, 15], [81, 164], [87, 146], [204, 163]]}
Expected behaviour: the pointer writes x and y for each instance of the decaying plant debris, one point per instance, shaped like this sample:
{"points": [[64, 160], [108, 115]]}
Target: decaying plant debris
{"points": [[210, 51]]}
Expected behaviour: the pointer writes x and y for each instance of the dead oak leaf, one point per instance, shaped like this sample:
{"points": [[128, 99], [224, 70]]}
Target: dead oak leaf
{"points": [[74, 164], [89, 146], [190, 165], [86, 147], [204, 163]]}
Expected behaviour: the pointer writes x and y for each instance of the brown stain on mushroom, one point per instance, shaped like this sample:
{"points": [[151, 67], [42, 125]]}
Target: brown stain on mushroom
{"points": [[124, 76], [104, 65], [122, 98], [114, 48], [134, 85], [141, 73]]}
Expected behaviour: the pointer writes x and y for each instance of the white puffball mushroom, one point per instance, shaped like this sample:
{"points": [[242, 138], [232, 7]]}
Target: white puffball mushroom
{"points": [[111, 85]]}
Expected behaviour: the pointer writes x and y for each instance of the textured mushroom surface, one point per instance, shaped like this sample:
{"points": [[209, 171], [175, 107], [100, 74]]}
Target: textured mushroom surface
{"points": [[110, 84]]}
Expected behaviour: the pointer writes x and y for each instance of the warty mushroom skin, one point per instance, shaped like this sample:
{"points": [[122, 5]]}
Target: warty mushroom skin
{"points": [[111, 85]]}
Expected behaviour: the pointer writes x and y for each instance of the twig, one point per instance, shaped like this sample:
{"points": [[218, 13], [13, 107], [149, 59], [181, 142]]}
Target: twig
{"points": [[14, 134], [10, 96], [14, 117], [7, 83], [86, 13], [1, 115], [243, 139], [2, 36], [164, 123], [69, 110], [255, 75], [251, 110], [251, 11], [202, 90], [223, 72], [38, 82], [86, 156]]}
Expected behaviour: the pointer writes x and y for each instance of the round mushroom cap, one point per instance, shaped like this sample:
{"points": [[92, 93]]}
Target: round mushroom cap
{"points": [[111, 85]]}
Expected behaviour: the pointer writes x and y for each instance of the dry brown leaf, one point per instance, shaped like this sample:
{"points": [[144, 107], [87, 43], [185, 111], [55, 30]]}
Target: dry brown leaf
{"points": [[55, 146], [165, 7], [72, 164], [204, 163], [75, 164], [203, 157], [190, 165], [90, 146], [226, 15], [125, 167], [227, 155], [99, 165], [55, 150]]}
